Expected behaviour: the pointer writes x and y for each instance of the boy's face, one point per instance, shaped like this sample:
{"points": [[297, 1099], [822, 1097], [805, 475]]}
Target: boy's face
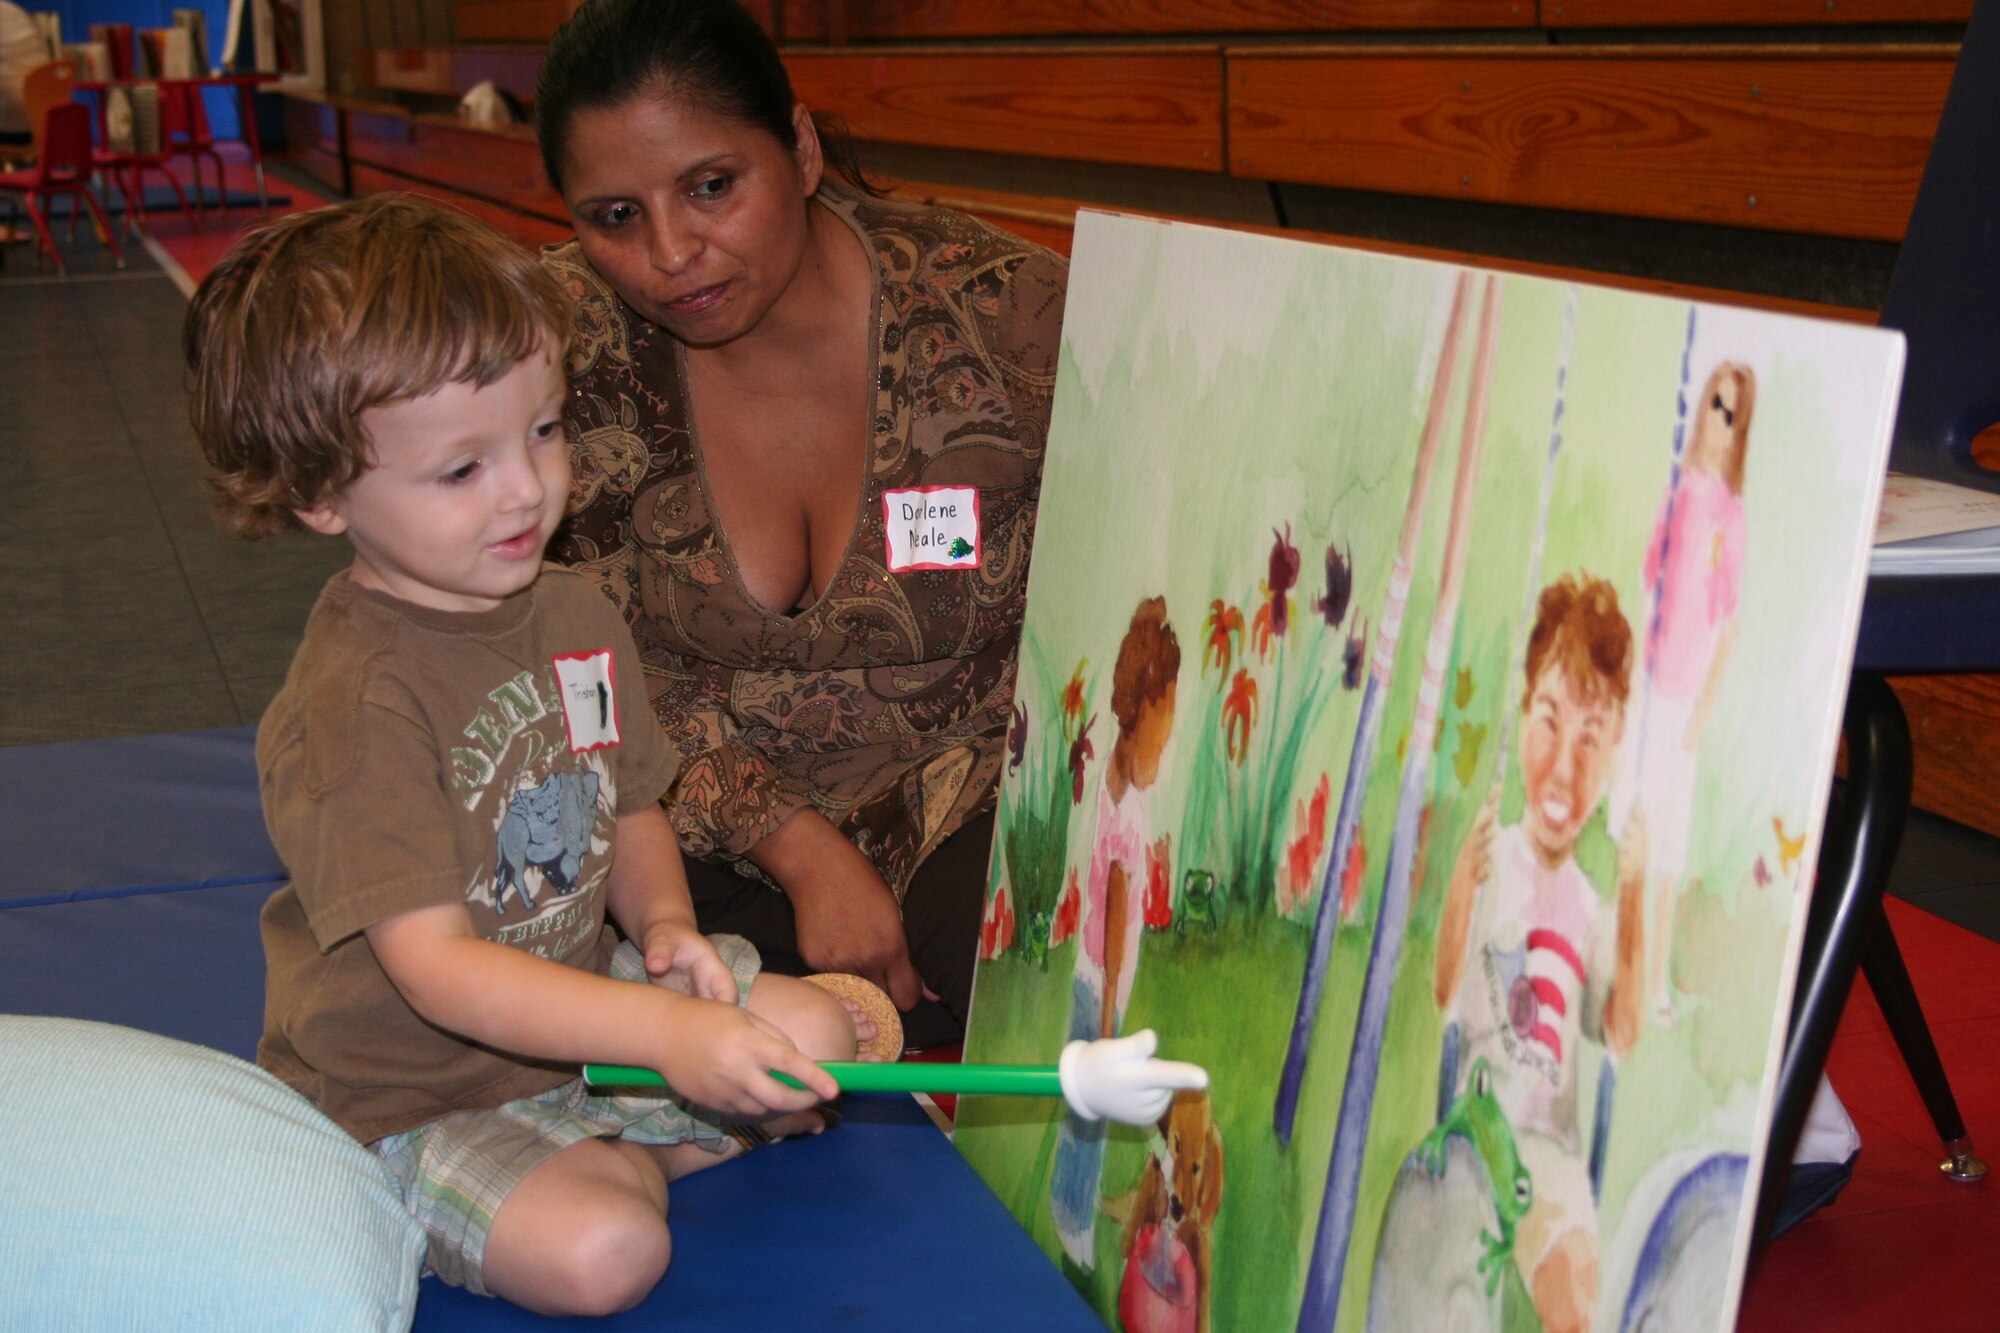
{"points": [[465, 489], [1568, 740]]}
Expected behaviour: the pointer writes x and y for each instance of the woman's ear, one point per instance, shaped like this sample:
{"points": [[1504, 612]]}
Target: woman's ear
{"points": [[806, 150]]}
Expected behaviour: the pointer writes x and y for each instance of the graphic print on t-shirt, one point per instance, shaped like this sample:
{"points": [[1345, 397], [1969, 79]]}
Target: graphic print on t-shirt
{"points": [[547, 827], [552, 807]]}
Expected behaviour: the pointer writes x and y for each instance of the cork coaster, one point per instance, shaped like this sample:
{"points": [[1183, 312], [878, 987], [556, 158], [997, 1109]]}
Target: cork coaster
{"points": [[888, 1042]]}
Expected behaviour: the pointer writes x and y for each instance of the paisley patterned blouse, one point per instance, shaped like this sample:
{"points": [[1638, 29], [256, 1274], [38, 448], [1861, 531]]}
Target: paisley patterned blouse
{"points": [[885, 702]]}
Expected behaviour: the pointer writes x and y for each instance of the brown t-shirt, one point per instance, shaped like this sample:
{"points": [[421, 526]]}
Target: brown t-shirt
{"points": [[417, 757], [885, 703]]}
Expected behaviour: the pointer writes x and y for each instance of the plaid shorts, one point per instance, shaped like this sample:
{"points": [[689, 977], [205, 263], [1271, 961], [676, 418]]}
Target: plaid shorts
{"points": [[457, 1170]]}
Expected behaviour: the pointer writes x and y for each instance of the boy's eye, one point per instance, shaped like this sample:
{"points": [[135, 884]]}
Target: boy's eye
{"points": [[463, 472], [549, 430]]}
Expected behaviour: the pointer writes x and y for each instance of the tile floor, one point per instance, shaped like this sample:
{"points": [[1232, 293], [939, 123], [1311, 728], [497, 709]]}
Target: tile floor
{"points": [[123, 608]]}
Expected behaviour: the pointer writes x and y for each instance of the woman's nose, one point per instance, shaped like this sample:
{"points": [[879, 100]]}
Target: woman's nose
{"points": [[673, 246]]}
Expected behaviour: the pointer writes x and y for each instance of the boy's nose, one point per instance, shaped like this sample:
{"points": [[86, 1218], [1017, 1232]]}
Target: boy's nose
{"points": [[522, 486]]}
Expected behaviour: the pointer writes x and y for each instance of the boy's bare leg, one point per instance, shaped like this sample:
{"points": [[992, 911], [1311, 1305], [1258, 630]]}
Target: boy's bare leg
{"points": [[818, 1025], [584, 1233], [1564, 1286]]}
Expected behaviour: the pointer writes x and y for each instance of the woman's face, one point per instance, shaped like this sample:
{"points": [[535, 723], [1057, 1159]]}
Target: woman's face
{"points": [[697, 220]]}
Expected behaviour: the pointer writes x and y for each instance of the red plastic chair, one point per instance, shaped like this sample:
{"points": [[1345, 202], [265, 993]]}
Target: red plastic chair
{"points": [[184, 130], [64, 168], [127, 170]]}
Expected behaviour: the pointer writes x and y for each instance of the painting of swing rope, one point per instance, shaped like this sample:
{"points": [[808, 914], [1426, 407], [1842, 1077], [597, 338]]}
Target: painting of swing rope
{"points": [[1428, 697]]}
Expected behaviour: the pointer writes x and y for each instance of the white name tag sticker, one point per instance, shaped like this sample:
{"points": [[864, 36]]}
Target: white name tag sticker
{"points": [[590, 708], [932, 527]]}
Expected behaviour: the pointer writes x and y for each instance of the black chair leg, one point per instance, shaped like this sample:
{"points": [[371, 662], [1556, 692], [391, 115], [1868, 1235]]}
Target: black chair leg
{"points": [[1882, 963], [1862, 833]]}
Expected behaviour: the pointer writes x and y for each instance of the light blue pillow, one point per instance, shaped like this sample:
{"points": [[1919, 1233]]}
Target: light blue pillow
{"points": [[149, 1183]]}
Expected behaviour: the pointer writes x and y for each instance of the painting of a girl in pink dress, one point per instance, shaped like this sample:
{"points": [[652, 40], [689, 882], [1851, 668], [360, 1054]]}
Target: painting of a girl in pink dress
{"points": [[1693, 576], [1142, 701]]}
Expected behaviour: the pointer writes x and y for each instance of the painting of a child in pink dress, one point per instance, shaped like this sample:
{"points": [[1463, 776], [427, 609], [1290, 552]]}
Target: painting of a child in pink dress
{"points": [[1142, 701], [1693, 578]]}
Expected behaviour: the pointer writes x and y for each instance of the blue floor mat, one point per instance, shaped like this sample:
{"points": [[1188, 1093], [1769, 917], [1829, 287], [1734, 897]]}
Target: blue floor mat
{"points": [[131, 814]]}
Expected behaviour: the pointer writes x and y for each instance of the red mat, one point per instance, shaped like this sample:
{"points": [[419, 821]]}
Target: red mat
{"points": [[1903, 1248]]}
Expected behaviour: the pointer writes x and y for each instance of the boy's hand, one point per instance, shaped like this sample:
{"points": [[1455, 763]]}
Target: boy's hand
{"points": [[722, 1057], [677, 947], [1475, 858], [1632, 850]]}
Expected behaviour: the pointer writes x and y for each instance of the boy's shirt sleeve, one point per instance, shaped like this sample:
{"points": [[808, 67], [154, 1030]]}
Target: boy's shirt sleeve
{"points": [[375, 835]]}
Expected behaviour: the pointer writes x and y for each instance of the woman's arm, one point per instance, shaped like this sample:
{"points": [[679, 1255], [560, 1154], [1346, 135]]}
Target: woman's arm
{"points": [[847, 918]]}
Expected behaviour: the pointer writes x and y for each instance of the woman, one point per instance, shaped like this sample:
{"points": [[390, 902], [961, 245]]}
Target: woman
{"points": [[808, 428]]}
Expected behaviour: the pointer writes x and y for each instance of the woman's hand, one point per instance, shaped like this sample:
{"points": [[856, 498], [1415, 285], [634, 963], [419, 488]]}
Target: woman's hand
{"points": [[847, 919]]}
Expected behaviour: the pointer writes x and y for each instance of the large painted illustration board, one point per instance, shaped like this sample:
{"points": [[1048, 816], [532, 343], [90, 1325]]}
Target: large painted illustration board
{"points": [[1428, 698]]}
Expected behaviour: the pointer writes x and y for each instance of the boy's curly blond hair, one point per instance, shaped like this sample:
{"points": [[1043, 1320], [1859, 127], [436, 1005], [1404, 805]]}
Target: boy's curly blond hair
{"points": [[311, 320]]}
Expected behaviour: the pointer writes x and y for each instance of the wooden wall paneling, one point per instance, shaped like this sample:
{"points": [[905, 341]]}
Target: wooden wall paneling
{"points": [[1824, 140], [312, 141], [1154, 106], [894, 20], [368, 132], [513, 71], [413, 69], [1725, 13], [403, 23], [507, 20], [501, 168], [1955, 730], [527, 230]]}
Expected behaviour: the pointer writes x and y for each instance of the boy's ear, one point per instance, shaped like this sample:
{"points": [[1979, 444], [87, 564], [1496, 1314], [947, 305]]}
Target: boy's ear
{"points": [[323, 518]]}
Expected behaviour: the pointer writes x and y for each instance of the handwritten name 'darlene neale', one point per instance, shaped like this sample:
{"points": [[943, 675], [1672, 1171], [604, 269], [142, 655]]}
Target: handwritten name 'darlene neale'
{"points": [[924, 515]]}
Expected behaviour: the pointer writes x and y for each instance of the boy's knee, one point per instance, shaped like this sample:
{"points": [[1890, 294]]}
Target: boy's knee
{"points": [[825, 1029], [611, 1264], [1565, 1284]]}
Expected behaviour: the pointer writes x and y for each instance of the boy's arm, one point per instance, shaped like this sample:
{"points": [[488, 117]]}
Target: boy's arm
{"points": [[715, 1054], [1474, 864], [1622, 1006], [647, 894]]}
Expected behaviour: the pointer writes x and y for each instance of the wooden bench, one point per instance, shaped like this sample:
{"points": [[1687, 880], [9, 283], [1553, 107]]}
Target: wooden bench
{"points": [[1824, 136]]}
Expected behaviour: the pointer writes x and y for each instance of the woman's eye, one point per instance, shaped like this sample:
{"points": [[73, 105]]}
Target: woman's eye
{"points": [[617, 215], [461, 473], [712, 188]]}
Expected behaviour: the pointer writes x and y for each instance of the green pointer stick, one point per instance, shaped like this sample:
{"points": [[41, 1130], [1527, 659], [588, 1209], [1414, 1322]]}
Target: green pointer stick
{"points": [[859, 1076], [1116, 1079]]}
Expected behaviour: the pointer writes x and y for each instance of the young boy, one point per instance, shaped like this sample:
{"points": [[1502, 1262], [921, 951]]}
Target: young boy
{"points": [[462, 742], [1527, 960]]}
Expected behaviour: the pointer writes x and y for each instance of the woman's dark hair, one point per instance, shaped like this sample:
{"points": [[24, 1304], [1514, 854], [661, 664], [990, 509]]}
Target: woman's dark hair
{"points": [[709, 53]]}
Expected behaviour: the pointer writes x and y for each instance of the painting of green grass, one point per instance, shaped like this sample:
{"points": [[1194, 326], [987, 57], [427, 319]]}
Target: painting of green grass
{"points": [[1428, 697]]}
